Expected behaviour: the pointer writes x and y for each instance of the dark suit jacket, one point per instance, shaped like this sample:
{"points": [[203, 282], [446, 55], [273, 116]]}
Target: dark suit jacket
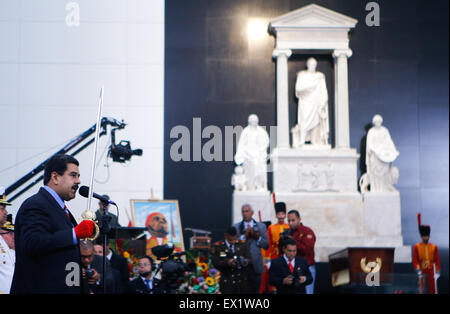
{"points": [[279, 269], [254, 247], [137, 286], [120, 264], [44, 247], [113, 223]]}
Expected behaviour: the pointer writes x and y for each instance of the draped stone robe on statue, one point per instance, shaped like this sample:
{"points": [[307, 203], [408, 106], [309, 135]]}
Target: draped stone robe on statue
{"points": [[380, 153], [312, 96], [251, 152]]}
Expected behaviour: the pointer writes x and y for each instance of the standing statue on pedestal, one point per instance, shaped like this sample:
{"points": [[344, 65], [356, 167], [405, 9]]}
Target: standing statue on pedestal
{"points": [[311, 91], [380, 154], [251, 153]]}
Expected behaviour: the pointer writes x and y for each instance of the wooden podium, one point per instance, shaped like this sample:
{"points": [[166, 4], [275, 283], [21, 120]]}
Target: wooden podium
{"points": [[351, 265]]}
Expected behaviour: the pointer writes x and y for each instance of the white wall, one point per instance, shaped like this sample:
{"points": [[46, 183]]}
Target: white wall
{"points": [[50, 78]]}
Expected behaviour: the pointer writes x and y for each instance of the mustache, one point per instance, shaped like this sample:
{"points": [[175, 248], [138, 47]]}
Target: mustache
{"points": [[161, 230], [75, 187]]}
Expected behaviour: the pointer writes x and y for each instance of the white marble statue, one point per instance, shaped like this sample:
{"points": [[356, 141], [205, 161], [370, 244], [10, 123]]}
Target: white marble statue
{"points": [[380, 154], [251, 153], [312, 119], [238, 179]]}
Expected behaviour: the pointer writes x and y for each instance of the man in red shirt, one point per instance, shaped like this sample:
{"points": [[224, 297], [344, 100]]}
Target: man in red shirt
{"points": [[305, 239]]}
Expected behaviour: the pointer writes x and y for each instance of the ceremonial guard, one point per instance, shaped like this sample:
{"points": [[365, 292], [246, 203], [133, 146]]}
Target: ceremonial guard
{"points": [[274, 231], [426, 258], [231, 258]]}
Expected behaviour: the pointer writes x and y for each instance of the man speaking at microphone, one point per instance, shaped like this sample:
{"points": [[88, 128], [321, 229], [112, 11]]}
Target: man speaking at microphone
{"points": [[46, 234]]}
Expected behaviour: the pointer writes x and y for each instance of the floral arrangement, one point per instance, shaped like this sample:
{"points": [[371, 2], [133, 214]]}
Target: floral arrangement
{"points": [[202, 279], [122, 249]]}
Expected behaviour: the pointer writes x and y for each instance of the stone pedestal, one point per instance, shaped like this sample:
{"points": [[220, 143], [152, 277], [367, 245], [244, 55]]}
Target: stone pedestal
{"points": [[382, 214], [314, 169], [260, 202], [349, 219]]}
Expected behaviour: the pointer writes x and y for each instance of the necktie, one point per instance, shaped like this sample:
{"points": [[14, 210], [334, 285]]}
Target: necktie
{"points": [[290, 266], [66, 211], [147, 282]]}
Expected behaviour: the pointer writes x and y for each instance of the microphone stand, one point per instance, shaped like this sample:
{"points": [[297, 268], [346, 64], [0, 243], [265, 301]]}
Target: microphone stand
{"points": [[104, 230]]}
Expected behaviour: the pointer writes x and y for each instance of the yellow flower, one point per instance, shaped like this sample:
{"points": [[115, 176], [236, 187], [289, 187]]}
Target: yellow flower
{"points": [[204, 266], [126, 254], [209, 281]]}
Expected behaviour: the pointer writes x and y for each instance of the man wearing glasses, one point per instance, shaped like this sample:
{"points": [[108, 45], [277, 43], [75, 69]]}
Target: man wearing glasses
{"points": [[145, 283]]}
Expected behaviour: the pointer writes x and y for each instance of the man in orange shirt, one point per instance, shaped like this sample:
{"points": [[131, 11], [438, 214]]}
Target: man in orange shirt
{"points": [[426, 257]]}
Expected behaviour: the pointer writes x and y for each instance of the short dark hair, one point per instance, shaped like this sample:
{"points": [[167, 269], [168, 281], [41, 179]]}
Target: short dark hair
{"points": [[152, 262], [58, 163], [294, 211], [288, 241], [231, 231], [86, 245]]}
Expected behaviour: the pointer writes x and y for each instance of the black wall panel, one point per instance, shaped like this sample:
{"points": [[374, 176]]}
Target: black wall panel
{"points": [[399, 70]]}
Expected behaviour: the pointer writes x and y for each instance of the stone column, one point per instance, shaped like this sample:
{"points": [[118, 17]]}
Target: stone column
{"points": [[282, 56], [341, 114]]}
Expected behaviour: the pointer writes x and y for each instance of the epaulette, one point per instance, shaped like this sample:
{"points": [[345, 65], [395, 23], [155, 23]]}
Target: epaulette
{"points": [[8, 227]]}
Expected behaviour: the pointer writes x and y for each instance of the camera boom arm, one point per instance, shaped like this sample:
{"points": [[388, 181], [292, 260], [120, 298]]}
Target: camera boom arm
{"points": [[69, 146]]}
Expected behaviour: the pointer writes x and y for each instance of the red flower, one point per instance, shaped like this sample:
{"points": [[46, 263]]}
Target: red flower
{"points": [[203, 259], [130, 267], [206, 273], [119, 243], [195, 281]]}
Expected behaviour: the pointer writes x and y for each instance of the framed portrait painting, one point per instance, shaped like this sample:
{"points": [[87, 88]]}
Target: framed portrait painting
{"points": [[162, 220]]}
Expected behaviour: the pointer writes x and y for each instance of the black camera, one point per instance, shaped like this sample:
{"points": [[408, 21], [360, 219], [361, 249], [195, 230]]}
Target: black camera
{"points": [[122, 152], [296, 282], [240, 261], [172, 268], [90, 273]]}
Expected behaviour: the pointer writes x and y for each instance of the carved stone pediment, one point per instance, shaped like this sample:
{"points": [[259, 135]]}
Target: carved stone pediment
{"points": [[312, 16], [312, 27]]}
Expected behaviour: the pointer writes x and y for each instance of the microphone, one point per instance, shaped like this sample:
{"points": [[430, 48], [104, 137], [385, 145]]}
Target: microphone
{"points": [[84, 191]]}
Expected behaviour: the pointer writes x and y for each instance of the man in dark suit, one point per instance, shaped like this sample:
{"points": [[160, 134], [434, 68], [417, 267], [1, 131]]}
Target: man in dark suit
{"points": [[255, 236], [47, 235], [289, 273], [92, 272], [119, 263], [144, 284], [104, 209]]}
